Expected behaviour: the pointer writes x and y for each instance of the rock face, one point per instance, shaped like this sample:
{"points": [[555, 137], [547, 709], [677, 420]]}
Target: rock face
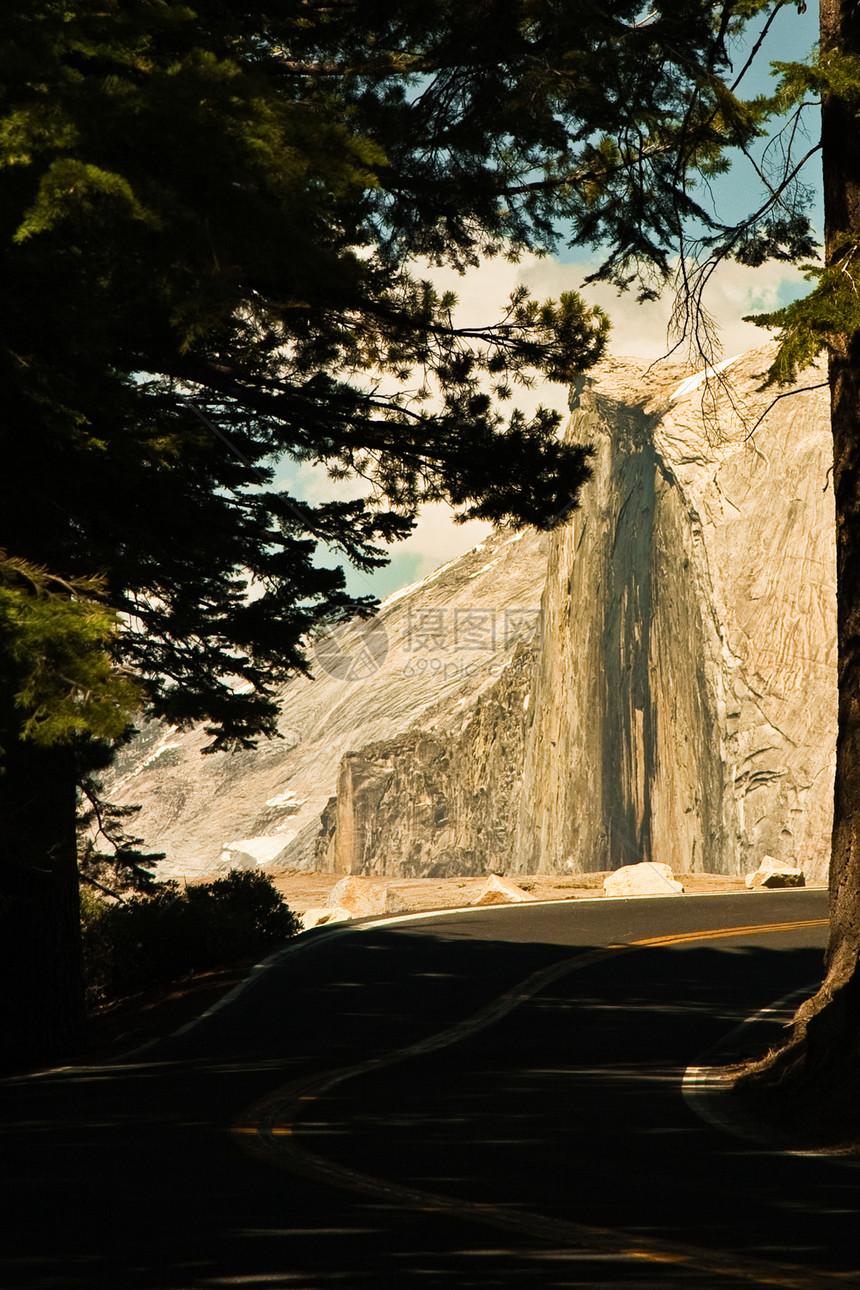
{"points": [[678, 703], [431, 659], [685, 704]]}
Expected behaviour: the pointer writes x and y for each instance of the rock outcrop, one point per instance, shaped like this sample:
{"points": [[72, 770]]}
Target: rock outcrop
{"points": [[677, 705], [426, 661], [362, 897], [642, 879], [775, 873], [443, 798], [498, 890], [685, 704]]}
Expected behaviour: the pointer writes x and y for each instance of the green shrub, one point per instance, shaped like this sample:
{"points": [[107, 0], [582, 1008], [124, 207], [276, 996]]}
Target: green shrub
{"points": [[158, 937]]}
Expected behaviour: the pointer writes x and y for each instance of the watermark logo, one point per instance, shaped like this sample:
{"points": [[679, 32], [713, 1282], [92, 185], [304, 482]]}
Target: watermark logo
{"points": [[467, 628], [353, 651], [436, 640]]}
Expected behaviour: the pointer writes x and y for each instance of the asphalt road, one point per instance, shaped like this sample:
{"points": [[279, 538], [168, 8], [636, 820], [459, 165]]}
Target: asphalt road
{"points": [[493, 1098]]}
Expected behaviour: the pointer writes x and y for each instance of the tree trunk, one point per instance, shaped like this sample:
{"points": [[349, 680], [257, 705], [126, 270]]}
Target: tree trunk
{"points": [[41, 993], [840, 30], [812, 1081], [840, 993]]}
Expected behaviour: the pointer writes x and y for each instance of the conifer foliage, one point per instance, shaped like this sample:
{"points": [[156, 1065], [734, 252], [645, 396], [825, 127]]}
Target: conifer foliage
{"points": [[196, 285], [210, 221]]}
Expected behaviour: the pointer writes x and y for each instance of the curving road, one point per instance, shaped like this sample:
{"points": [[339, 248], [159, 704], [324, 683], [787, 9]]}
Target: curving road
{"points": [[489, 1098]]}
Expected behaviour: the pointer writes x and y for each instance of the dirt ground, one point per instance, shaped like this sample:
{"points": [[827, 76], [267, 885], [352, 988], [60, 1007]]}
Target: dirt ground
{"points": [[305, 891]]}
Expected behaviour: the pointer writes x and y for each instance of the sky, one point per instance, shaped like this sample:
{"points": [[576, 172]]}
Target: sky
{"points": [[637, 330]]}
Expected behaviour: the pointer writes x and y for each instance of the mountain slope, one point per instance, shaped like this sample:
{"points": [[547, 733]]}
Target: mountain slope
{"points": [[431, 651], [678, 702]]}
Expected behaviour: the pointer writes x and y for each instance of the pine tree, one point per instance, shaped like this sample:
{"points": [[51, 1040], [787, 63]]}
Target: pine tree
{"points": [[209, 222], [195, 286], [812, 1078]]}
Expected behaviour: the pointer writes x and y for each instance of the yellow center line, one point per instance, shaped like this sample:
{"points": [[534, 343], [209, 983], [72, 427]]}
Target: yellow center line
{"points": [[754, 929], [276, 1117]]}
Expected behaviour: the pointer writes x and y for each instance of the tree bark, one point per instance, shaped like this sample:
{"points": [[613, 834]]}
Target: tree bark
{"points": [[41, 990], [840, 993], [814, 1076], [806, 1091]]}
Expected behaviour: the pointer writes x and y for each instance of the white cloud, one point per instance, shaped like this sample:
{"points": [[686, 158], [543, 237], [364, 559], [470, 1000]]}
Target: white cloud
{"points": [[638, 331], [437, 539]]}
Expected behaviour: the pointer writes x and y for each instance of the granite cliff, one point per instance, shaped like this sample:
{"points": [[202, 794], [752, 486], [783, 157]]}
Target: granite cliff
{"points": [[673, 700], [443, 798], [685, 706], [426, 661]]}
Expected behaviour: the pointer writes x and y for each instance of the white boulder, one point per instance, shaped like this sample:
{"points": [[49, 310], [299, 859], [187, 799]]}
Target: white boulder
{"points": [[363, 896], [775, 873], [500, 891], [644, 879]]}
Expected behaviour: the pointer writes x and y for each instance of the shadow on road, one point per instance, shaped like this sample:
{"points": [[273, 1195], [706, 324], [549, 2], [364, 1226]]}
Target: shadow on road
{"points": [[561, 1118]]}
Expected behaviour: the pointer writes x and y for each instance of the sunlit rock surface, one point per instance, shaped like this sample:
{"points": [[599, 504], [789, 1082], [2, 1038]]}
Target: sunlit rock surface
{"points": [[362, 896], [774, 873], [498, 890], [427, 659], [685, 706], [443, 798], [647, 878], [678, 704]]}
